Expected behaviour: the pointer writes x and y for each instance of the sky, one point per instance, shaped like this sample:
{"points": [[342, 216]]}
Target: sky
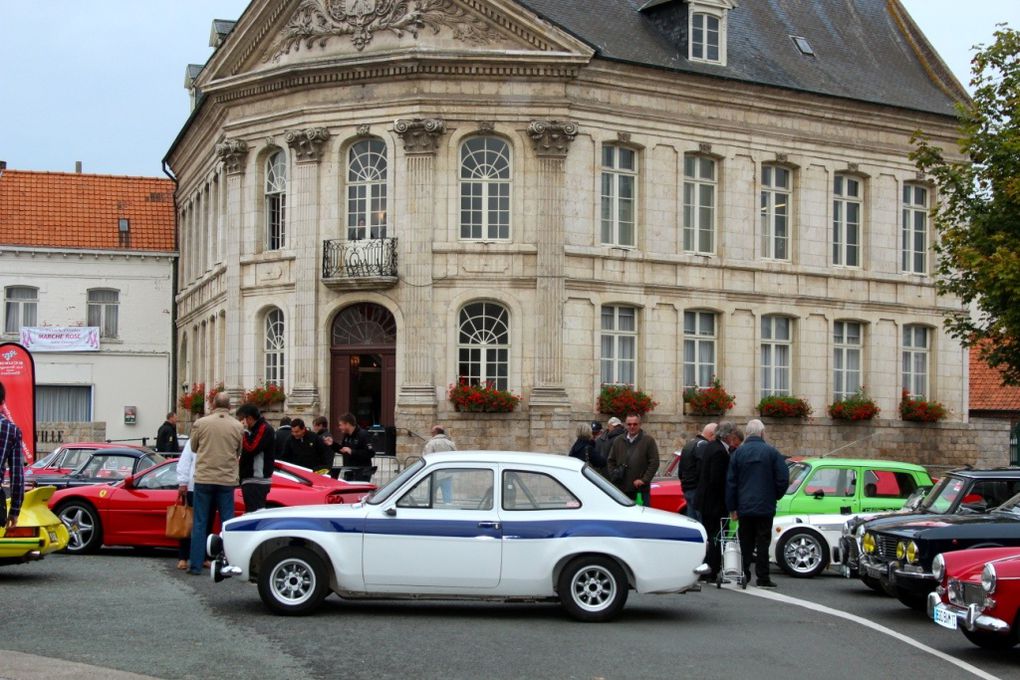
{"points": [[102, 81]]}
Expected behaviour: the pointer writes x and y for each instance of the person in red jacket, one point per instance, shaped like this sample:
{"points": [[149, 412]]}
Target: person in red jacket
{"points": [[258, 453]]}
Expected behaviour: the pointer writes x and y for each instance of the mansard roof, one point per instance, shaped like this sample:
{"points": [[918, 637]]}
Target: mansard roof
{"points": [[867, 50], [79, 211]]}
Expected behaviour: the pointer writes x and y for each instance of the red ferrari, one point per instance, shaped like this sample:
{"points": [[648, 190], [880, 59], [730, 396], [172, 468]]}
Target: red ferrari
{"points": [[133, 511]]}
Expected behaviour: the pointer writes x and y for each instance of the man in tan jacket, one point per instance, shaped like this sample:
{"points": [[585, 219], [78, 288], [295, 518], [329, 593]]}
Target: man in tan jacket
{"points": [[216, 440]]}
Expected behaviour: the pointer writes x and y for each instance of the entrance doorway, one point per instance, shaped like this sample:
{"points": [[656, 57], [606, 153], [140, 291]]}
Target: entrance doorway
{"points": [[363, 375]]}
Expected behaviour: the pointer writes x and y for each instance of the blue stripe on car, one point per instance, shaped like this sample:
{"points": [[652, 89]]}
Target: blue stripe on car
{"points": [[523, 530]]}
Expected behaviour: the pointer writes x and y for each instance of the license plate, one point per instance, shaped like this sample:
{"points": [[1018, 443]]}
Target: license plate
{"points": [[53, 536], [944, 617]]}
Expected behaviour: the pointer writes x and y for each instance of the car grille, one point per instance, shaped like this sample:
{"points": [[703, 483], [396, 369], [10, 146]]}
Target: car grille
{"points": [[886, 546], [963, 594]]}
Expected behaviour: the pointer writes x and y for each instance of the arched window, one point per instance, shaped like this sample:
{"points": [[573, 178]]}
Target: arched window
{"points": [[276, 201], [21, 305], [274, 349], [483, 344], [776, 355], [103, 305], [366, 190], [485, 189]]}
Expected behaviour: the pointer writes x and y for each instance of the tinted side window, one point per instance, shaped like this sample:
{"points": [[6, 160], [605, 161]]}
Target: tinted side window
{"points": [[991, 492]]}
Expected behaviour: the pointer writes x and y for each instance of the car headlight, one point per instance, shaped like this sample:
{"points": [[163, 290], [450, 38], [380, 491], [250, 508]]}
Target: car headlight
{"points": [[913, 553], [901, 550], [868, 543], [988, 578], [938, 567]]}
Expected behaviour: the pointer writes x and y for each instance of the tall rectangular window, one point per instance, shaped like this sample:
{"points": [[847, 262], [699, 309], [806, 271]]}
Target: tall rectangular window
{"points": [[699, 349], [914, 242], [619, 345], [276, 201], [485, 172], [103, 306], [776, 351], [705, 37], [846, 359], [699, 204], [21, 305], [619, 195], [776, 198], [846, 221], [915, 352]]}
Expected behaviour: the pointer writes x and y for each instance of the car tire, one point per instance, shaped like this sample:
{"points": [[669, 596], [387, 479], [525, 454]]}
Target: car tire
{"points": [[593, 588], [802, 553], [873, 583], [986, 639], [293, 581], [83, 526], [913, 600]]}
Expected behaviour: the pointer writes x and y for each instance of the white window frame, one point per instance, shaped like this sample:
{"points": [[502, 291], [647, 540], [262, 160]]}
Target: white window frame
{"points": [[367, 171], [274, 348], [915, 361], [847, 380], [847, 197], [776, 207], [616, 174], [699, 24], [696, 226], [488, 182], [701, 335], [915, 212], [20, 312], [103, 314], [276, 200], [483, 332], [774, 371], [615, 339]]}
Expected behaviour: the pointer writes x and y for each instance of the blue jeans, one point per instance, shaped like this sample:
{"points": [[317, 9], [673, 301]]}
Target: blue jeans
{"points": [[208, 497], [690, 496]]}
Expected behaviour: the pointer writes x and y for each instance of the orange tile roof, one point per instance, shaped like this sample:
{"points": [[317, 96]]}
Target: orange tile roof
{"points": [[72, 210], [987, 392]]}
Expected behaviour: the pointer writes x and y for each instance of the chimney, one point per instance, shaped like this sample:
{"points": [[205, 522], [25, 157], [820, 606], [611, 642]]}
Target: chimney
{"points": [[77, 167], [3, 165]]}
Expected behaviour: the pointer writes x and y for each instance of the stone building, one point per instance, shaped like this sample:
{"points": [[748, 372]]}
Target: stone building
{"points": [[554, 195], [79, 252]]}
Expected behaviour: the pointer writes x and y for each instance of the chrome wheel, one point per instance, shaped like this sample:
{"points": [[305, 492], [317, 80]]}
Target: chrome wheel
{"points": [[593, 588], [82, 527], [293, 581], [801, 554]]}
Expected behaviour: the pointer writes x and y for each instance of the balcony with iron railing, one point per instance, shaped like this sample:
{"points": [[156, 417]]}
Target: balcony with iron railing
{"points": [[365, 264]]}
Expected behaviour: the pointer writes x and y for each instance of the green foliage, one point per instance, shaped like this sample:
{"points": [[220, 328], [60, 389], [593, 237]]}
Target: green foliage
{"points": [[920, 410], [712, 400], [855, 407], [977, 215]]}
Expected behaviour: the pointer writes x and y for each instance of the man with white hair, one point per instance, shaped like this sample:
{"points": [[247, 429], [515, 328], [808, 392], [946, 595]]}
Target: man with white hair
{"points": [[756, 479]]}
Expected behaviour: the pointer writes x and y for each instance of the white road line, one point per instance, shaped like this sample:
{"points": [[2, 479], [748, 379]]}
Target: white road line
{"points": [[806, 604]]}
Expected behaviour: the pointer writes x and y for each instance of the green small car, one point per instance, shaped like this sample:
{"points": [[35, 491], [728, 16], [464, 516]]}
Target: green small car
{"points": [[844, 486]]}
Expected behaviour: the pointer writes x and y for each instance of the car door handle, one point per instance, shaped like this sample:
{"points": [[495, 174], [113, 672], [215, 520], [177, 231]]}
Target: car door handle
{"points": [[488, 525]]}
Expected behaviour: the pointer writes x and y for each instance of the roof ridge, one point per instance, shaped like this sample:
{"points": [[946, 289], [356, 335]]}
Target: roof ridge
{"points": [[11, 171]]}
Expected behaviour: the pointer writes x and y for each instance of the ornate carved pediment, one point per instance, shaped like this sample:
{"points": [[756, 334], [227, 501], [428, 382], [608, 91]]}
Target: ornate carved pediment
{"points": [[232, 152], [420, 135], [307, 144], [552, 137], [316, 22]]}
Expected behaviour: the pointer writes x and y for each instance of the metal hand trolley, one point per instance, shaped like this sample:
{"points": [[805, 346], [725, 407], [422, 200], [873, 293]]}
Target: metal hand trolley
{"points": [[732, 561]]}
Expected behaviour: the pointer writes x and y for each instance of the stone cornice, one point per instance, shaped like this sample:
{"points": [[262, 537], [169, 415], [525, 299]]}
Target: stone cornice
{"points": [[420, 135], [308, 143], [233, 153], [552, 138]]}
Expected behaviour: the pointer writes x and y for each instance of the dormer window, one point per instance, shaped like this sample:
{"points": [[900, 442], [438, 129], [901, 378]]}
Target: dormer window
{"points": [[706, 30]]}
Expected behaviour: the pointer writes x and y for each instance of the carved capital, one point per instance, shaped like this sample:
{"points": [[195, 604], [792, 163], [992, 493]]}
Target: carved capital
{"points": [[308, 143], [232, 152], [552, 137], [420, 135], [363, 131]]}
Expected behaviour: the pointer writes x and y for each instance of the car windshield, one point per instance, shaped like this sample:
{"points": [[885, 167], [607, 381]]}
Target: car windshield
{"points": [[1012, 506], [798, 473], [941, 498], [44, 462], [604, 484], [387, 490]]}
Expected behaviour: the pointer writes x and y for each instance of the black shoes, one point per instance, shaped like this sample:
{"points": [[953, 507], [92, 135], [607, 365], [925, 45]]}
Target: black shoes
{"points": [[765, 583]]}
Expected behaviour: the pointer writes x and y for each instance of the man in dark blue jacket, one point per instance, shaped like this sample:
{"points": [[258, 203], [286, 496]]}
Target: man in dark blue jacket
{"points": [[756, 479]]}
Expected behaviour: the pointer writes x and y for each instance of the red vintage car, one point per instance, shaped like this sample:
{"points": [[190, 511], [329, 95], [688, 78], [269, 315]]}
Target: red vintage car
{"points": [[67, 458], [666, 491], [978, 594], [133, 511]]}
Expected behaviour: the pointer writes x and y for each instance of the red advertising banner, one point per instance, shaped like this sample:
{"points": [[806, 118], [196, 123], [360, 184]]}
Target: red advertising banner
{"points": [[17, 373]]}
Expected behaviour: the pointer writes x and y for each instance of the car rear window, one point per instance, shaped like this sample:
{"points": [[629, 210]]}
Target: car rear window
{"points": [[888, 484]]}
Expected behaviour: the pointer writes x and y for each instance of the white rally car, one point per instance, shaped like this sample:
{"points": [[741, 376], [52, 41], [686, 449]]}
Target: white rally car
{"points": [[469, 524], [804, 545]]}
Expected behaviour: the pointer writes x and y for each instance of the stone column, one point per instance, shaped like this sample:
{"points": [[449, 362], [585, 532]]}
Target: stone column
{"points": [[421, 138], [551, 141], [303, 238], [233, 153]]}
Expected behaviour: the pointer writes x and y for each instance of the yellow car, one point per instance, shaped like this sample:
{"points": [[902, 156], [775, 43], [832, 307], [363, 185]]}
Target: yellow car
{"points": [[39, 531]]}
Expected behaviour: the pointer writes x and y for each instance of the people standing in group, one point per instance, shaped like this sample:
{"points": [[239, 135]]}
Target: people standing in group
{"points": [[185, 496], [216, 440], [757, 478], [636, 456], [604, 442], [166, 436], [710, 495], [689, 468], [584, 444], [305, 448], [439, 442], [258, 455], [320, 426], [12, 458], [356, 448], [282, 435]]}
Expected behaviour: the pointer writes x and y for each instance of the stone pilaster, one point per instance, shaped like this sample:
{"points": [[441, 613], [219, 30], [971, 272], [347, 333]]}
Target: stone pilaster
{"points": [[551, 141], [421, 139], [304, 240], [233, 153]]}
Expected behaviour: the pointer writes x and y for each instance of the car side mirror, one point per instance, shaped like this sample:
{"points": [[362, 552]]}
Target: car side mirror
{"points": [[390, 512], [128, 482], [819, 494]]}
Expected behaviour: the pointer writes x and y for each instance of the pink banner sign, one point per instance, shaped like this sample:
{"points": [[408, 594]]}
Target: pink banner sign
{"points": [[17, 373], [61, 339]]}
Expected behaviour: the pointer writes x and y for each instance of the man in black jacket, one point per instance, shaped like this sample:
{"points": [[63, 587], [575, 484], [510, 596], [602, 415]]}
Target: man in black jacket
{"points": [[166, 436], [305, 448], [356, 448], [710, 496], [282, 435], [258, 453], [690, 468]]}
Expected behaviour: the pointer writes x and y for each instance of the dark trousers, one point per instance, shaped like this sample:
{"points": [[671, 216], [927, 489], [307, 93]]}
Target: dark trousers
{"points": [[690, 497], [713, 552], [755, 534], [254, 495]]}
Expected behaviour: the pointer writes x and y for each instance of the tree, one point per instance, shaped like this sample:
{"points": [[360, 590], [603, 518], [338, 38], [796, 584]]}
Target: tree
{"points": [[977, 216]]}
